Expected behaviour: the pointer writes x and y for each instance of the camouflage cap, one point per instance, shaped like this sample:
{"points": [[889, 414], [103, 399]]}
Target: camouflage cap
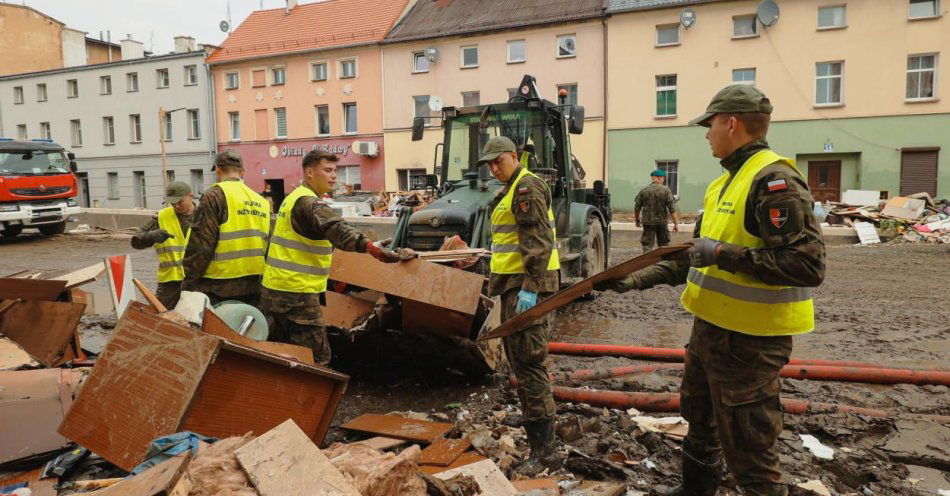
{"points": [[495, 147], [175, 191], [735, 99], [229, 158]]}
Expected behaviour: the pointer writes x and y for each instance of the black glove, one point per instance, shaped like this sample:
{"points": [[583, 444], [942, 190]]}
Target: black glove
{"points": [[702, 252], [622, 285], [158, 236]]}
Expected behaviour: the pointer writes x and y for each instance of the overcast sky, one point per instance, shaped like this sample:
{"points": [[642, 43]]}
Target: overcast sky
{"points": [[153, 22]]}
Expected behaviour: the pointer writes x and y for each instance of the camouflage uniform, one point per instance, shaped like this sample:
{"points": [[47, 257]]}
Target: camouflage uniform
{"points": [[298, 317], [527, 349], [210, 214], [655, 204], [166, 292]]}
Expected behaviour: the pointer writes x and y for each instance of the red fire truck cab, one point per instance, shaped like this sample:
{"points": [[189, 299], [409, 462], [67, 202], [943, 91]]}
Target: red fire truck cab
{"points": [[37, 187]]}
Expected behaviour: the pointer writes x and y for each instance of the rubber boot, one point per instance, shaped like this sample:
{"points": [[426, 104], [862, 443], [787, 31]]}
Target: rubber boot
{"points": [[541, 442], [699, 479]]}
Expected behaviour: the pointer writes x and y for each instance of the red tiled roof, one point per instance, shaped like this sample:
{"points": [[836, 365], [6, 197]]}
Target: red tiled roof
{"points": [[312, 26]]}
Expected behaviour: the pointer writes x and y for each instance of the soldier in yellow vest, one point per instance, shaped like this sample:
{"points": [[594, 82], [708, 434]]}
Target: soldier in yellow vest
{"points": [[301, 250], [225, 254], [168, 233], [749, 274], [524, 269]]}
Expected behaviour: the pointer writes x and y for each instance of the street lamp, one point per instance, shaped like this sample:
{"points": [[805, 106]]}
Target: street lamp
{"points": [[161, 138]]}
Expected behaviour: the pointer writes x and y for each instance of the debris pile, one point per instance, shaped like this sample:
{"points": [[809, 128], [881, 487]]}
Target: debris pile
{"points": [[915, 218]]}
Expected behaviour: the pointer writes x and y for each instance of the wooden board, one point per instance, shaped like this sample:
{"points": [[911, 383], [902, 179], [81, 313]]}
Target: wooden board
{"points": [[422, 318], [12, 288], [149, 296], [444, 451], [546, 484], [417, 280], [212, 324], [344, 311], [44, 329], [283, 462], [397, 427], [382, 443], [156, 481], [466, 458], [82, 276], [490, 478], [574, 292]]}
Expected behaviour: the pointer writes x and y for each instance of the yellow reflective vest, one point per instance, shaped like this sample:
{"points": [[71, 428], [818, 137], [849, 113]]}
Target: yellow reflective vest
{"points": [[171, 252], [295, 263], [505, 245], [741, 302], [242, 240]]}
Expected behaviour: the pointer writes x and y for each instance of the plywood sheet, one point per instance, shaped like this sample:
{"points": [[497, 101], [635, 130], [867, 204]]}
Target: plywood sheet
{"points": [[212, 324], [82, 276], [466, 458], [44, 329], [422, 318], [444, 451], [32, 405], [12, 356], [156, 481], [283, 461], [490, 478], [345, 311], [382, 443], [417, 280], [12, 288], [398, 427], [574, 292]]}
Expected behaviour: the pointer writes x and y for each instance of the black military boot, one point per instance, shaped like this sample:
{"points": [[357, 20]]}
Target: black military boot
{"points": [[541, 441], [699, 478]]}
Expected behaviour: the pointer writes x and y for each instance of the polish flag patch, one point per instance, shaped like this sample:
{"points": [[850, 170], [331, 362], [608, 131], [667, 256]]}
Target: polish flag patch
{"points": [[777, 185]]}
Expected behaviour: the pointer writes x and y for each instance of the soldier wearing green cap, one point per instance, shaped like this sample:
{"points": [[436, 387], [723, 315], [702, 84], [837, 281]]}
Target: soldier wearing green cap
{"points": [[653, 208], [168, 233], [524, 269], [749, 274]]}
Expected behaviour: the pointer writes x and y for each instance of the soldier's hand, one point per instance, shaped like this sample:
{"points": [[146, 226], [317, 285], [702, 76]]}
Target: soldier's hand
{"points": [[676, 227], [158, 236], [701, 253], [381, 253], [622, 285], [526, 300]]}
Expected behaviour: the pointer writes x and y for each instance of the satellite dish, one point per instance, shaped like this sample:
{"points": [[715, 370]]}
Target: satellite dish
{"points": [[767, 13], [225, 27], [435, 103], [687, 18]]}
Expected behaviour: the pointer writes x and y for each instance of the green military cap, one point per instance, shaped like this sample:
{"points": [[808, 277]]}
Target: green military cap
{"points": [[228, 158], [735, 99], [175, 191], [495, 147]]}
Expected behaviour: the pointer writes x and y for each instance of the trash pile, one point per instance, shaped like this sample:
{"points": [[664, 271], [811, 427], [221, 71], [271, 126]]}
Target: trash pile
{"points": [[914, 218], [386, 204]]}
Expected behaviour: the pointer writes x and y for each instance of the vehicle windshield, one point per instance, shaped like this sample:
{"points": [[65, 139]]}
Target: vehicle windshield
{"points": [[466, 137], [32, 163]]}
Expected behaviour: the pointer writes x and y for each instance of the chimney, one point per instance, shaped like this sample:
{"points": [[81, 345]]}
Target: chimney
{"points": [[290, 5], [132, 49], [184, 44]]}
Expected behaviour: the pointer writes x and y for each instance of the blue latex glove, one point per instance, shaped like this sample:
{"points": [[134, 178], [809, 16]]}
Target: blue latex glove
{"points": [[526, 300]]}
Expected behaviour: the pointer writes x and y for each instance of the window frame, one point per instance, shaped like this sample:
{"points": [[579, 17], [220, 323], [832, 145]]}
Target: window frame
{"points": [[462, 50], [936, 75], [169, 127], [937, 11], [158, 78], [273, 75], [130, 77], [341, 64], [19, 96], [72, 88], [844, 18], [659, 27], [416, 100], [45, 92], [227, 80], [472, 92], [316, 115], [416, 55], [191, 69], [46, 130], [108, 127], [674, 89], [755, 75], [135, 128], [326, 70], [660, 163], [278, 111], [105, 85], [24, 135], [557, 45], [75, 133], [755, 27], [193, 118], [524, 50], [840, 77], [234, 118], [348, 105]]}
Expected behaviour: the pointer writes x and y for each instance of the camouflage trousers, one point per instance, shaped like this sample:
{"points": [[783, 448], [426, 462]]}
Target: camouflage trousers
{"points": [[296, 318], [730, 397], [526, 351], [654, 233], [168, 293]]}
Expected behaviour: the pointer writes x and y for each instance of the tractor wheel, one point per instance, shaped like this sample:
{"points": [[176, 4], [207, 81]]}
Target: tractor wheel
{"points": [[593, 250]]}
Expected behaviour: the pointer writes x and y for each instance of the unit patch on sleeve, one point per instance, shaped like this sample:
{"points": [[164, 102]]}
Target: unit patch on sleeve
{"points": [[523, 206], [777, 185], [778, 216]]}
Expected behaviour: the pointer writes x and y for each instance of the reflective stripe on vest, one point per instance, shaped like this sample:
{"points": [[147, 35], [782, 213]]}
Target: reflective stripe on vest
{"points": [[505, 247], [295, 263], [172, 250], [741, 302], [242, 240]]}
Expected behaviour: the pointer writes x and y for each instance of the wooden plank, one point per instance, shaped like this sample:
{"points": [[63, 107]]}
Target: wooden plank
{"points": [[12, 288], [574, 292], [466, 458], [398, 427], [444, 451], [156, 481], [344, 311], [382, 443], [422, 318], [44, 329], [464, 253], [490, 478], [82, 276], [416, 279], [150, 296], [284, 461], [212, 324], [546, 484]]}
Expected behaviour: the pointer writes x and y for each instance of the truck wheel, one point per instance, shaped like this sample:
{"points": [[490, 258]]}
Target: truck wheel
{"points": [[11, 231], [593, 249], [51, 229]]}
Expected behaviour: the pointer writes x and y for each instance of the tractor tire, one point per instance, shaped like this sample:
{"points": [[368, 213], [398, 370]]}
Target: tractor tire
{"points": [[11, 231], [51, 229], [593, 249]]}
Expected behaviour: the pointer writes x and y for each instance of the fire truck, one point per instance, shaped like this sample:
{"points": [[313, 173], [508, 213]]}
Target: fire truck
{"points": [[38, 187]]}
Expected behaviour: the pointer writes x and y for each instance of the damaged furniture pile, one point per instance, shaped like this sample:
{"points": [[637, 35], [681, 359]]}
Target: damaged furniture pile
{"points": [[914, 218]]}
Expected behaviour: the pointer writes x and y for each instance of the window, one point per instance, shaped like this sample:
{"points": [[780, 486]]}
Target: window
{"points": [[405, 177], [108, 130], [280, 122], [744, 27], [323, 120], [671, 167], [516, 51], [46, 132], [746, 76], [258, 78], [666, 95], [21, 132], [138, 188], [318, 71], [135, 128], [470, 98], [168, 126], [419, 62], [132, 82], [113, 185], [197, 181], [566, 45], [278, 76], [75, 128], [72, 88], [921, 74], [41, 95], [194, 125], [161, 78], [105, 85], [469, 56], [828, 83], [235, 120], [231, 81], [668, 35], [191, 75], [831, 17], [571, 89], [421, 104], [17, 95], [924, 9], [349, 175], [347, 68], [349, 118]]}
